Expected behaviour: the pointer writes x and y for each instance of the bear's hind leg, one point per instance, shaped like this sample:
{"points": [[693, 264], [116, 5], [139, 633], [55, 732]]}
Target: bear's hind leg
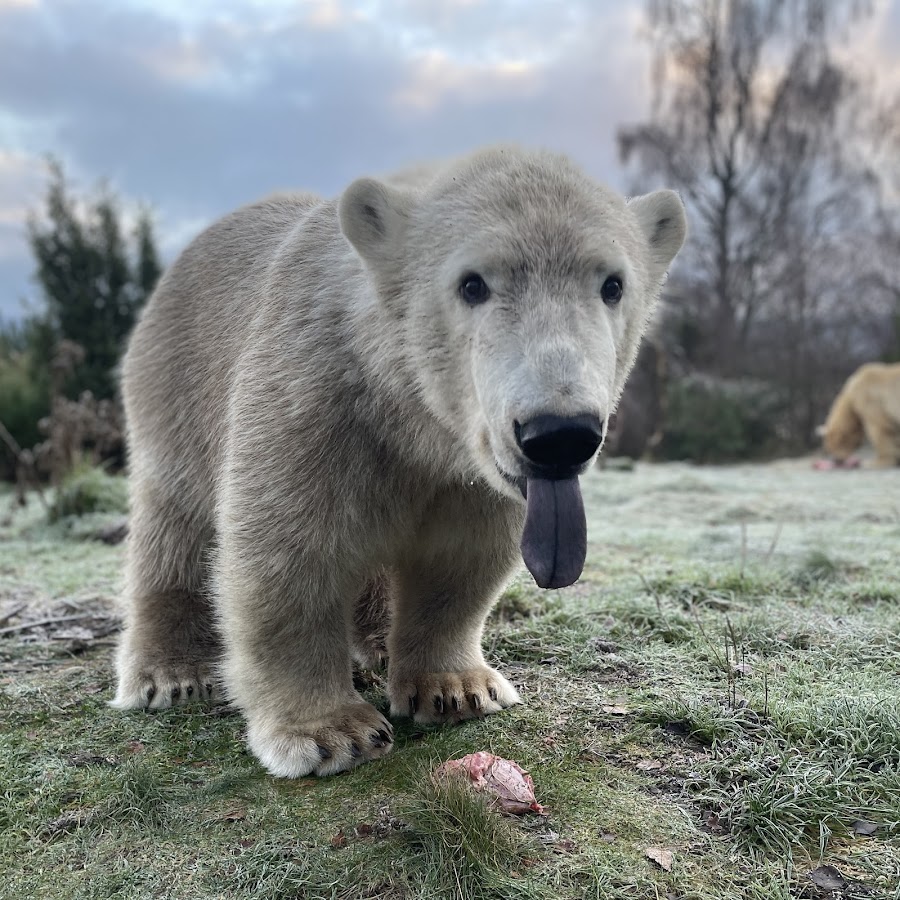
{"points": [[371, 621], [168, 650]]}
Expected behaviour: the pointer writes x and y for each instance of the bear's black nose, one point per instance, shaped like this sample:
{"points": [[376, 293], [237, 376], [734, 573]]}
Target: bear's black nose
{"points": [[558, 445]]}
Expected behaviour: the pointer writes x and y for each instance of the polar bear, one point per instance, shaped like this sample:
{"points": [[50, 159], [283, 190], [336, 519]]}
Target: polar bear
{"points": [[868, 406], [391, 394]]}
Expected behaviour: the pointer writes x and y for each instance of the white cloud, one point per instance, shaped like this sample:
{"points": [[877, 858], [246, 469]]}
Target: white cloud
{"points": [[197, 107], [183, 60], [434, 75]]}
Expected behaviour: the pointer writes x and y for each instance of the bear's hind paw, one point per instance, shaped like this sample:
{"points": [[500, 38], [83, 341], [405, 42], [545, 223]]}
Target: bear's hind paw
{"points": [[161, 686]]}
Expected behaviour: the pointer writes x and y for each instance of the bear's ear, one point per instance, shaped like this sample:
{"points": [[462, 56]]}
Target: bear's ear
{"points": [[372, 216], [662, 219]]}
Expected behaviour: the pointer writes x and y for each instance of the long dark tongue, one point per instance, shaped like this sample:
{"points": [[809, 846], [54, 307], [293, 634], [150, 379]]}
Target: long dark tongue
{"points": [[554, 542]]}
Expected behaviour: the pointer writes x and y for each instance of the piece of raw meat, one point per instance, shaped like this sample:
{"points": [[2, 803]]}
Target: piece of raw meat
{"points": [[510, 787]]}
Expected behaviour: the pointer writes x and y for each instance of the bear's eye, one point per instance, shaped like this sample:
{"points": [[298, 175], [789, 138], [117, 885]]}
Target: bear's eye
{"points": [[611, 292], [473, 289]]}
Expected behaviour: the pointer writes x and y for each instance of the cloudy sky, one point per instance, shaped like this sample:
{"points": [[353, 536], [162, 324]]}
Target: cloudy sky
{"points": [[195, 107]]}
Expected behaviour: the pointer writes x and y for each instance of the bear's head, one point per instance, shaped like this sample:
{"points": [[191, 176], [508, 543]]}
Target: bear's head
{"points": [[520, 289], [842, 433]]}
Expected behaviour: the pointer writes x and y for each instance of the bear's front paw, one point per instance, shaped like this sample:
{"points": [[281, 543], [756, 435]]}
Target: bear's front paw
{"points": [[451, 696], [347, 736]]}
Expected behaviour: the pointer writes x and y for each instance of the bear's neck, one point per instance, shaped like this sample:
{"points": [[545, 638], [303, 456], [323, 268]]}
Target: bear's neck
{"points": [[393, 403]]}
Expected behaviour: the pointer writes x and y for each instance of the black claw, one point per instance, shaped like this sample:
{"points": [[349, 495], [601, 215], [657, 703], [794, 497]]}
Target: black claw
{"points": [[492, 693], [208, 689], [385, 737], [355, 752], [176, 692], [413, 705], [190, 690], [455, 702], [151, 693], [439, 704], [324, 752], [475, 700]]}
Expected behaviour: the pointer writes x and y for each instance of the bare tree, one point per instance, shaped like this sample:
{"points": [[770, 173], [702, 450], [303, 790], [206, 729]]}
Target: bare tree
{"points": [[779, 154]]}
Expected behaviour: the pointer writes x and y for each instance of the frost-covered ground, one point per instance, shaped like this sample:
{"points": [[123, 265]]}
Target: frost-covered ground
{"points": [[722, 513], [711, 712]]}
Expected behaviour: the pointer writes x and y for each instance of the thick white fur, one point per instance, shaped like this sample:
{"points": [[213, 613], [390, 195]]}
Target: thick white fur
{"points": [[868, 406], [314, 410]]}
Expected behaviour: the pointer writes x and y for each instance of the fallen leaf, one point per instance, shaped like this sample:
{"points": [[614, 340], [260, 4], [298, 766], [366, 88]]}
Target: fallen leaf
{"points": [[134, 746], [615, 710], [864, 828], [563, 846], [827, 878], [607, 838], [742, 669], [649, 765], [339, 840], [663, 858], [238, 814]]}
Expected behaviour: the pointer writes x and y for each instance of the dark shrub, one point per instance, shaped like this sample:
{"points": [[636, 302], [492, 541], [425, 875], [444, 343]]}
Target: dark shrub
{"points": [[715, 420]]}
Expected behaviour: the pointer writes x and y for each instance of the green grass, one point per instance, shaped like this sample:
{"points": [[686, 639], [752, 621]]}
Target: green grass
{"points": [[461, 847], [722, 683]]}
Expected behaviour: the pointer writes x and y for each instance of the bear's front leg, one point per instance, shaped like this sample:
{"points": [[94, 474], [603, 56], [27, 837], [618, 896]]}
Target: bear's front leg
{"points": [[287, 663], [442, 594]]}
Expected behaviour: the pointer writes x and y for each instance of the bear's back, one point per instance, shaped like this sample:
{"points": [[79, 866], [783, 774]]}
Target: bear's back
{"points": [[180, 361], [877, 386]]}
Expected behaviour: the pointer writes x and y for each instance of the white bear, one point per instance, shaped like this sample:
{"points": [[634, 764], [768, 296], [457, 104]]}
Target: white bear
{"points": [[868, 406], [388, 395]]}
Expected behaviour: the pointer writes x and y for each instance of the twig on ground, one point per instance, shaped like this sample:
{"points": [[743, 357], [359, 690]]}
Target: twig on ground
{"points": [[12, 613], [25, 626]]}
